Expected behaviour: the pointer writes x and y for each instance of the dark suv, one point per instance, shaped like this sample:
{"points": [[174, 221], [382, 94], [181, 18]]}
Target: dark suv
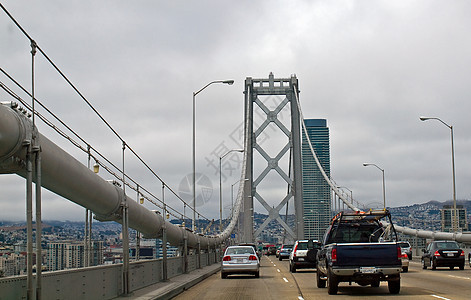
{"points": [[443, 254]]}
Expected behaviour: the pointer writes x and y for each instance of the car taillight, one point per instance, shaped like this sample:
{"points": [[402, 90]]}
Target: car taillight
{"points": [[252, 257], [436, 253], [226, 258], [334, 254], [462, 253], [294, 250], [404, 255], [399, 252]]}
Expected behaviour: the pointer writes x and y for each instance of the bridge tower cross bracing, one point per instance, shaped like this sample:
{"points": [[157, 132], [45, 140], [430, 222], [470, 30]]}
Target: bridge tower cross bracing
{"points": [[287, 88]]}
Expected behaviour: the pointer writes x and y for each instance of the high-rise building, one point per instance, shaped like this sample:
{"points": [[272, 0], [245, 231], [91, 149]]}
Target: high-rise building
{"points": [[316, 191], [446, 213], [70, 254]]}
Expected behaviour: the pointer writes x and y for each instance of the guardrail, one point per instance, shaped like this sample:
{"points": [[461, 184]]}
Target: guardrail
{"points": [[102, 282]]}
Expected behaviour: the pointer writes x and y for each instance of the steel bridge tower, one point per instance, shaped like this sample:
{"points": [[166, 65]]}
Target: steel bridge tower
{"points": [[286, 90]]}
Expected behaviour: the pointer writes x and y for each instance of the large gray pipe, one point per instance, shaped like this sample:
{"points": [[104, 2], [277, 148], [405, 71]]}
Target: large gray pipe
{"points": [[67, 177], [435, 235]]}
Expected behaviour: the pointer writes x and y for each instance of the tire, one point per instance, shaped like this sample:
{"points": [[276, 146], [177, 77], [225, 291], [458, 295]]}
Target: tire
{"points": [[257, 274], [223, 275], [375, 283], [424, 266], [394, 286], [452, 267], [312, 255], [320, 282], [292, 268], [279, 258], [433, 264], [462, 267], [332, 283], [405, 269]]}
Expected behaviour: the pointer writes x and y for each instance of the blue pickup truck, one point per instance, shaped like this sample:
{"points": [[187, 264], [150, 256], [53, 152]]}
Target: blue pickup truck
{"points": [[358, 247]]}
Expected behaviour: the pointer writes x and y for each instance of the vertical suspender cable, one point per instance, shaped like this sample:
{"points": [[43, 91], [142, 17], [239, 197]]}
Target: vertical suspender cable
{"points": [[125, 233]]}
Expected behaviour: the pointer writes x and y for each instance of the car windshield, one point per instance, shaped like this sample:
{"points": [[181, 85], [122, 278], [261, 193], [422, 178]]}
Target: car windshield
{"points": [[447, 245], [240, 250]]}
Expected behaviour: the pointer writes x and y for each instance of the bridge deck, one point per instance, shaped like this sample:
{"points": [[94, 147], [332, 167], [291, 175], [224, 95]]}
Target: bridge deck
{"points": [[276, 282]]}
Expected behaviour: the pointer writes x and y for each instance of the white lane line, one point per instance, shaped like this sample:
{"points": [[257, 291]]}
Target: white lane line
{"points": [[440, 297], [300, 298], [278, 270], [274, 265], [454, 276], [286, 280]]}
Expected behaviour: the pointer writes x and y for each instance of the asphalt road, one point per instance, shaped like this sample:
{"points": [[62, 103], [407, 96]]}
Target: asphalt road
{"points": [[276, 282]]}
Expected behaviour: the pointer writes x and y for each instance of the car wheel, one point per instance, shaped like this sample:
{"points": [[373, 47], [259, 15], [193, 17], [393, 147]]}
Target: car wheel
{"points": [[293, 269], [257, 274], [424, 266], [279, 258], [433, 264], [462, 267], [394, 286], [223, 275], [405, 269], [332, 283], [320, 282], [452, 267]]}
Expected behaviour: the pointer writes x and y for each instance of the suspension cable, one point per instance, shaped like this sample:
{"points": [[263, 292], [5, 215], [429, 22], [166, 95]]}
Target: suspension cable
{"points": [[85, 100], [327, 179]]}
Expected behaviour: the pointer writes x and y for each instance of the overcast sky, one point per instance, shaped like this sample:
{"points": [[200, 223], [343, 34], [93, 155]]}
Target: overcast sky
{"points": [[371, 68]]}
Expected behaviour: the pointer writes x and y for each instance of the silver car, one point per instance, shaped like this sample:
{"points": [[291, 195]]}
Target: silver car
{"points": [[240, 260]]}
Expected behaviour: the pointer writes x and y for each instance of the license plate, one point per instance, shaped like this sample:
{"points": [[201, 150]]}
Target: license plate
{"points": [[367, 270], [300, 259], [450, 254]]}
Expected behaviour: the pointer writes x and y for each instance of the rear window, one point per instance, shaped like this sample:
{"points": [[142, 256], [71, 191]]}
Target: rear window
{"points": [[404, 245], [356, 233], [241, 250], [447, 245], [303, 246]]}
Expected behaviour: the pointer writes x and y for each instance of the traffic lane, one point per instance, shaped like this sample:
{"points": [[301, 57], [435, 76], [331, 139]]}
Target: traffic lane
{"points": [[442, 282], [455, 284], [272, 284]]}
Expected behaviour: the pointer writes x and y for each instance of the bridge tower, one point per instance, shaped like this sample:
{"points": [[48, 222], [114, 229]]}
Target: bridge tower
{"points": [[280, 95]]}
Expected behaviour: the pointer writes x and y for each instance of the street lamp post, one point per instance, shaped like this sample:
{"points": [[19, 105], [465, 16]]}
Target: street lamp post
{"points": [[229, 82], [454, 223], [382, 170], [220, 184]]}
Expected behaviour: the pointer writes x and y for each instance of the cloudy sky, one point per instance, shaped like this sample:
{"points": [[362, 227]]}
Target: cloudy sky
{"points": [[371, 68]]}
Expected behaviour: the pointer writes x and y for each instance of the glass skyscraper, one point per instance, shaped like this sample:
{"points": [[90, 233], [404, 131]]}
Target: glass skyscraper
{"points": [[316, 191]]}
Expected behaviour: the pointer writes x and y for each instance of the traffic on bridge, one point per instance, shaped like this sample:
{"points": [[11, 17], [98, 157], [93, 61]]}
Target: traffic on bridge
{"points": [[291, 231], [277, 282]]}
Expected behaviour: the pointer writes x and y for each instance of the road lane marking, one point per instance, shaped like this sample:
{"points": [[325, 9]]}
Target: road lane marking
{"points": [[454, 276], [278, 270], [300, 298], [440, 297], [286, 280]]}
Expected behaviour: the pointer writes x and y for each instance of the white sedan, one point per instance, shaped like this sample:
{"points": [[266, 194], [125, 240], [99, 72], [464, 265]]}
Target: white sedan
{"points": [[240, 260]]}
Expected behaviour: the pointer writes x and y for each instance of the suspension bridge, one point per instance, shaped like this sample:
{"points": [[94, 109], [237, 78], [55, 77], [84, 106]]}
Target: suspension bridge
{"points": [[26, 152]]}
